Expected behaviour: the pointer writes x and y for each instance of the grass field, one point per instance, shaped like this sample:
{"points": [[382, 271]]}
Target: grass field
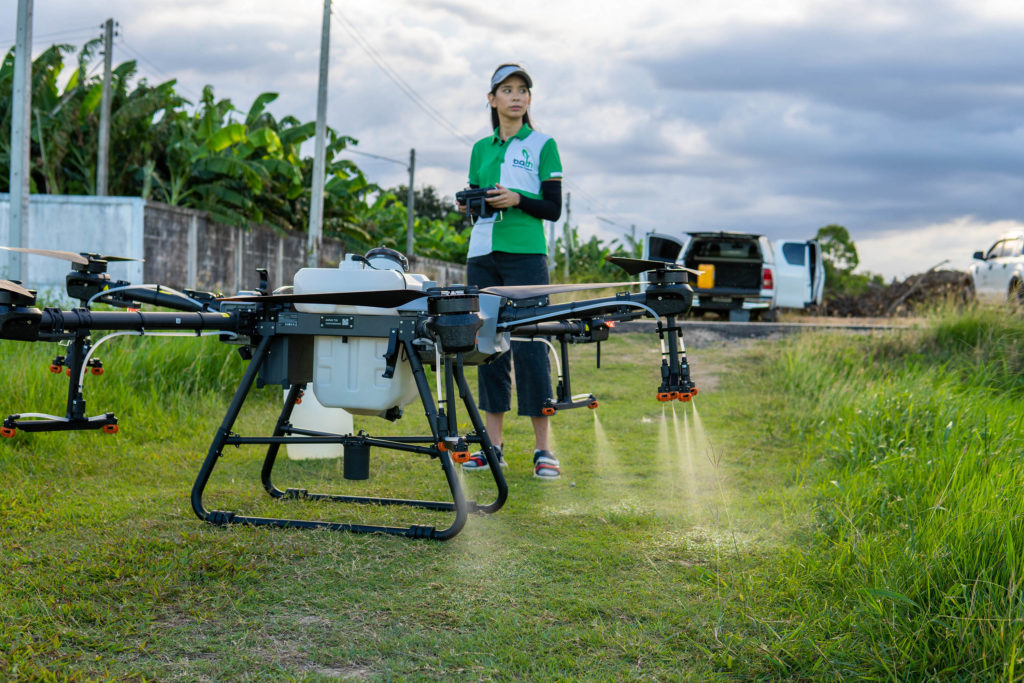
{"points": [[831, 506]]}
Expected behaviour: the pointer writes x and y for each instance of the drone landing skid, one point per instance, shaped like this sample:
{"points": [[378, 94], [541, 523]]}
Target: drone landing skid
{"points": [[107, 423], [443, 444], [579, 401]]}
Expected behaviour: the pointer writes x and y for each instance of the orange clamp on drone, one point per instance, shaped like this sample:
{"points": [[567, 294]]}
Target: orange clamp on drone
{"points": [[592, 405], [547, 410], [458, 453], [8, 432], [111, 429]]}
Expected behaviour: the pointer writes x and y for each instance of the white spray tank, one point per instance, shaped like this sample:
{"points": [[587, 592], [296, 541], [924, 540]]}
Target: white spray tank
{"points": [[348, 372], [313, 415]]}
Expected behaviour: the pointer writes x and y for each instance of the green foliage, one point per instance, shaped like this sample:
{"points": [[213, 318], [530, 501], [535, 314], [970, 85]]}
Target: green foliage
{"points": [[427, 202], [439, 231], [587, 259], [837, 248], [839, 256], [919, 441]]}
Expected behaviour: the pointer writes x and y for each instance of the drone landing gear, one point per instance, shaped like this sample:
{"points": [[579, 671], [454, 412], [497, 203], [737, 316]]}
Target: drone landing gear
{"points": [[51, 423], [74, 418], [567, 333], [564, 398], [443, 444]]}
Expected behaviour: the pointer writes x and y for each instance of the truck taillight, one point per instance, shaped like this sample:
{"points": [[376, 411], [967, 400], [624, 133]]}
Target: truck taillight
{"points": [[767, 282]]}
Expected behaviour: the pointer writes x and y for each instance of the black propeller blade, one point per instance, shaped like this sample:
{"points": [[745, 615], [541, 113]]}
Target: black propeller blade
{"points": [[531, 291], [635, 266], [82, 259], [378, 299], [14, 288], [397, 297]]}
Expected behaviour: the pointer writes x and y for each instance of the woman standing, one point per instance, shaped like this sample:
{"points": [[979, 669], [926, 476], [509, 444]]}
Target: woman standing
{"points": [[524, 167]]}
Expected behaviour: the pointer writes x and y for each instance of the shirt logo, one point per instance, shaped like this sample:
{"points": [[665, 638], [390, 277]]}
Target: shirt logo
{"points": [[526, 163]]}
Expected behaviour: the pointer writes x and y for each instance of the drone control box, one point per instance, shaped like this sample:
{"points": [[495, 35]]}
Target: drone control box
{"points": [[348, 371]]}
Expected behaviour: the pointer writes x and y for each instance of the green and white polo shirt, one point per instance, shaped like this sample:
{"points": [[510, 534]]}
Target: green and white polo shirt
{"points": [[521, 163]]}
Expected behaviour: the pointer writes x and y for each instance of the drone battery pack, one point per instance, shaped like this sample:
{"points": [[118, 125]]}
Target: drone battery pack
{"points": [[348, 371], [290, 361]]}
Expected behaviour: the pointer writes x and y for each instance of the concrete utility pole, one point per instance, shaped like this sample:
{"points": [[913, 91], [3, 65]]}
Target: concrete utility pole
{"points": [[103, 152], [551, 246], [411, 203], [316, 198], [568, 237], [20, 131]]}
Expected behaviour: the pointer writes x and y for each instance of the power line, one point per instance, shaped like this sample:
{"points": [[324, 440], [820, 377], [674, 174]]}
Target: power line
{"points": [[66, 31], [70, 34], [376, 156], [139, 56], [597, 205], [407, 89]]}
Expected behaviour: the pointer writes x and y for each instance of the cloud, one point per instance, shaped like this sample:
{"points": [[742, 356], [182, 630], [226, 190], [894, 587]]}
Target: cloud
{"points": [[902, 253]]}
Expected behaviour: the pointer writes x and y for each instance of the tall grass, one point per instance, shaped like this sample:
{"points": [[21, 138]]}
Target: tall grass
{"points": [[917, 441], [173, 378]]}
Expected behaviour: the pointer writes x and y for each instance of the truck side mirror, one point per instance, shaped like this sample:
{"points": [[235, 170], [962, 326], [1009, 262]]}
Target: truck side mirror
{"points": [[979, 256]]}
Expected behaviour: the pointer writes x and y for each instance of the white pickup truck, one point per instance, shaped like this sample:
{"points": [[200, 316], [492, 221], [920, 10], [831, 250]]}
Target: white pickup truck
{"points": [[998, 274], [745, 276]]}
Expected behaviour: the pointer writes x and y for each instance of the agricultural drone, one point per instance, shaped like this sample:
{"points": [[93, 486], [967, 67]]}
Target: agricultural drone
{"points": [[363, 336]]}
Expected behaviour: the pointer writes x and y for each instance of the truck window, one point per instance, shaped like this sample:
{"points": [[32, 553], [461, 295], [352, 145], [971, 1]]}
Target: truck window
{"points": [[995, 251], [794, 253], [663, 250], [739, 249]]}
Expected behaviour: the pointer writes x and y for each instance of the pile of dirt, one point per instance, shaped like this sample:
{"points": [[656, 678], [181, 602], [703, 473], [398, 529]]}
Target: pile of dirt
{"points": [[900, 298]]}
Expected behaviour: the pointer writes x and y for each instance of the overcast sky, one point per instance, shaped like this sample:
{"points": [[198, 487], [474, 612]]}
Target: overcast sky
{"points": [[900, 119]]}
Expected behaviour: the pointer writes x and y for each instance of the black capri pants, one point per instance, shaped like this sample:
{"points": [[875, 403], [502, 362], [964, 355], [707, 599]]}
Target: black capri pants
{"points": [[530, 359]]}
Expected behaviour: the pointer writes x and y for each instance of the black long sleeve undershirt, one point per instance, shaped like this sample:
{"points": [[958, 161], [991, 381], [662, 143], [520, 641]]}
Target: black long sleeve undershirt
{"points": [[548, 207]]}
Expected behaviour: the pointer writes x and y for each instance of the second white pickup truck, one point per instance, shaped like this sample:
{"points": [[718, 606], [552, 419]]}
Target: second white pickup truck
{"points": [[998, 274]]}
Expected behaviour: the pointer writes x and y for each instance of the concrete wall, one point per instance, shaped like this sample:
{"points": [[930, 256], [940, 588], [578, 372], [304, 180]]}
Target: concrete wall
{"points": [[182, 248], [105, 225]]}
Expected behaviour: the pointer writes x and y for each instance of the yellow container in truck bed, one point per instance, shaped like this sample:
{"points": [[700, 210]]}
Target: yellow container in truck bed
{"points": [[706, 280]]}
